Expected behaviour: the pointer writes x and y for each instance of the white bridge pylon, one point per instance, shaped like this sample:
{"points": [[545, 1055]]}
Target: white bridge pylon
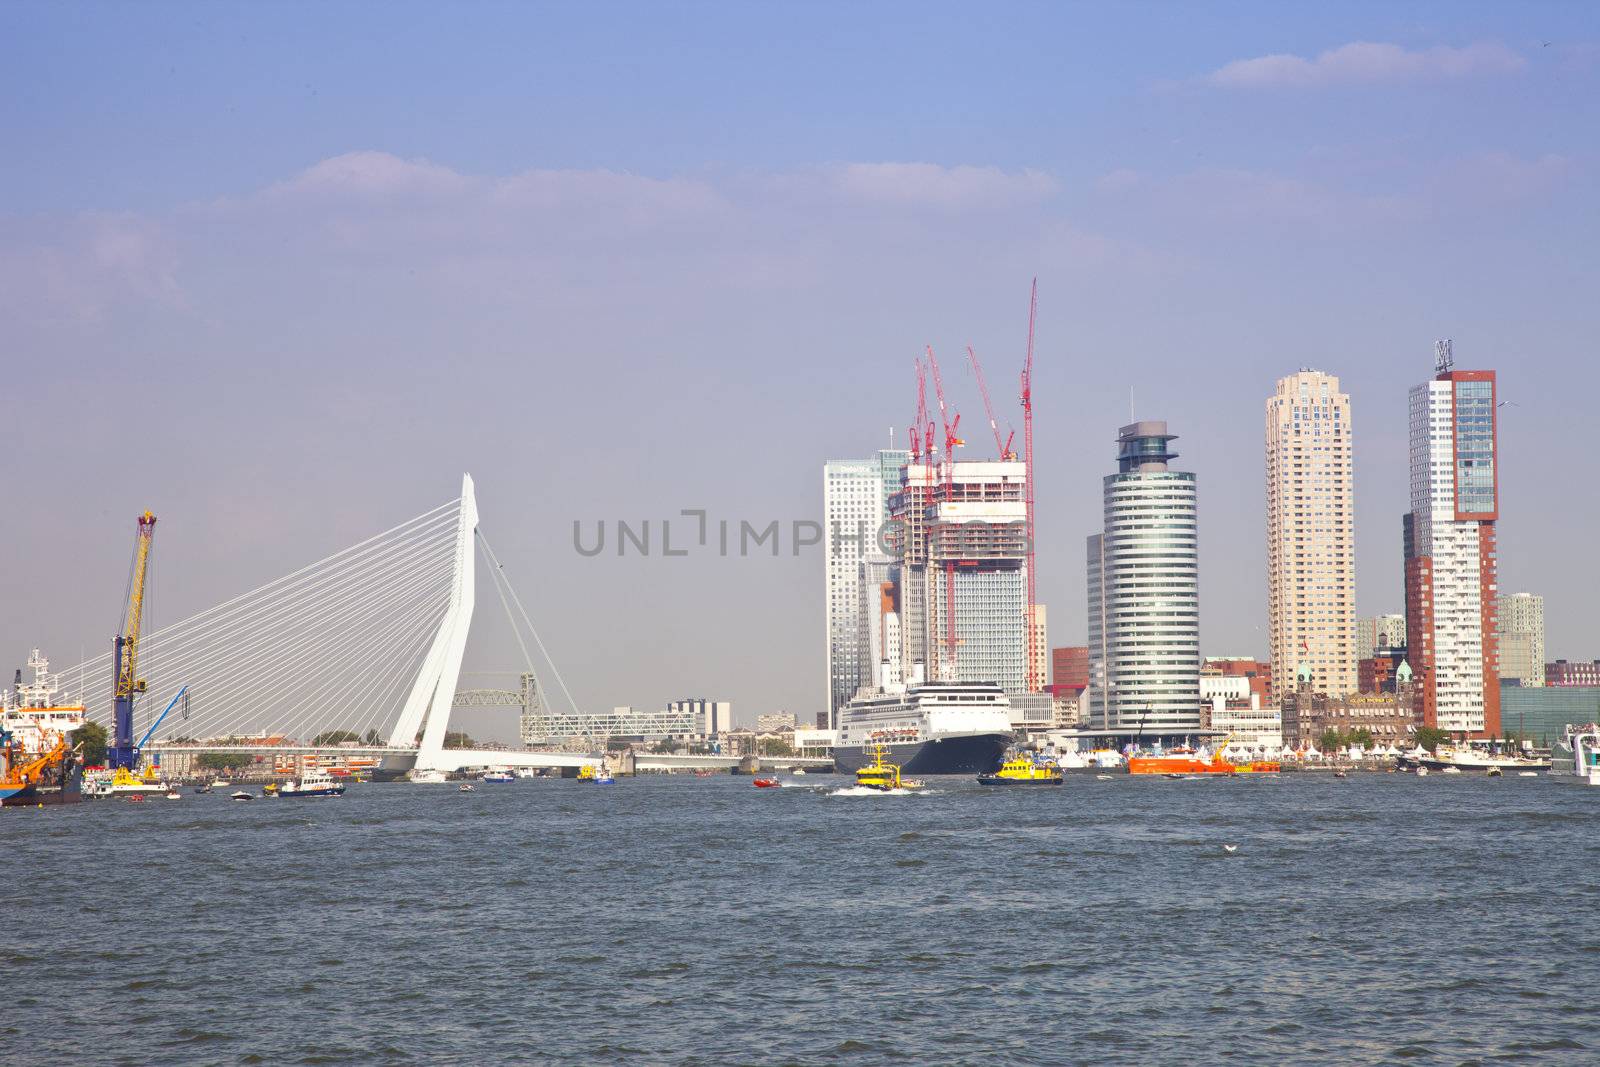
{"points": [[428, 706]]}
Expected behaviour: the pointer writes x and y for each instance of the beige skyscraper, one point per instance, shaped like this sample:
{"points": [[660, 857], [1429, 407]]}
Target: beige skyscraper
{"points": [[1311, 569]]}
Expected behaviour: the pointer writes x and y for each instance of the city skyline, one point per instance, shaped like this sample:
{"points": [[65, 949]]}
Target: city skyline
{"points": [[308, 309]]}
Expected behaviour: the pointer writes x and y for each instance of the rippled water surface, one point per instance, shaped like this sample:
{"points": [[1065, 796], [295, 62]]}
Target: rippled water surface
{"points": [[1383, 918]]}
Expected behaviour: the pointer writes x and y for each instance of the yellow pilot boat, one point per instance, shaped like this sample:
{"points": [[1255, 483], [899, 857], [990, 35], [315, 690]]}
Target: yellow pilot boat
{"points": [[882, 775], [1024, 770]]}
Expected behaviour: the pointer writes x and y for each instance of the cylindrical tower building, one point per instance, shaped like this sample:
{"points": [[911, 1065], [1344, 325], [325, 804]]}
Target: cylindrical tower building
{"points": [[1144, 585]]}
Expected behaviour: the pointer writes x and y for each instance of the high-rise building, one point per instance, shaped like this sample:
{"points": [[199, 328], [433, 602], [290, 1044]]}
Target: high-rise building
{"points": [[1069, 667], [1450, 550], [1381, 631], [1520, 618], [855, 497], [1038, 679], [959, 532], [1144, 592], [1311, 568]]}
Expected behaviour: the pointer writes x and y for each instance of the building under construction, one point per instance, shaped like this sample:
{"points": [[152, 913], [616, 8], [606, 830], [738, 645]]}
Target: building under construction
{"points": [[959, 531]]}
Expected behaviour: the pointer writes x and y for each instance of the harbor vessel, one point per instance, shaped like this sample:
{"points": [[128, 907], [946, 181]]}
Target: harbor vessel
{"points": [[1025, 769], [39, 763], [123, 783], [594, 775], [927, 728], [882, 775], [1472, 757], [498, 777], [1577, 755], [1180, 761], [428, 777], [313, 783]]}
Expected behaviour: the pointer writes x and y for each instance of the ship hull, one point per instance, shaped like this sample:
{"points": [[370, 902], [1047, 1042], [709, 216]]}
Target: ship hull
{"points": [[968, 754], [33, 795]]}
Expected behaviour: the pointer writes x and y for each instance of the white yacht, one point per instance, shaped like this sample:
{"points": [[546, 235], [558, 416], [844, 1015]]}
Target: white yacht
{"points": [[1577, 756], [429, 777]]}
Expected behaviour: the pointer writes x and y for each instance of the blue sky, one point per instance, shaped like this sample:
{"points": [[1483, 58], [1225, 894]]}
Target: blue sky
{"points": [[310, 262]]}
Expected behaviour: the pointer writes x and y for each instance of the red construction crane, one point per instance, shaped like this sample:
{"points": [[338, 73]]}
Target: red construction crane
{"points": [[983, 387], [1035, 653], [951, 440]]}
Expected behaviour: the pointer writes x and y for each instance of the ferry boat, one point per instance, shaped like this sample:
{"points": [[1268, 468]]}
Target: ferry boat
{"points": [[1024, 769], [498, 777], [927, 728], [314, 783], [882, 775], [1471, 757], [1577, 756], [39, 764]]}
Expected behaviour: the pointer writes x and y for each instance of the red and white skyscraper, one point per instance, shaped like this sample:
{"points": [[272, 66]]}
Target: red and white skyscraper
{"points": [[1450, 549]]}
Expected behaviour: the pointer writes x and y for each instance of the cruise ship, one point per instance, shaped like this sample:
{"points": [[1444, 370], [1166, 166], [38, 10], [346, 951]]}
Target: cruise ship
{"points": [[928, 728]]}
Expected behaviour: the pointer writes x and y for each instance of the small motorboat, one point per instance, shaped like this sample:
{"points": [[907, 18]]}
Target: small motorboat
{"points": [[1527, 774], [1422, 772], [1102, 777], [222, 782], [799, 771], [1340, 773], [201, 789], [765, 783], [241, 795], [135, 798], [464, 787], [1452, 769], [174, 795], [270, 789], [1496, 772]]}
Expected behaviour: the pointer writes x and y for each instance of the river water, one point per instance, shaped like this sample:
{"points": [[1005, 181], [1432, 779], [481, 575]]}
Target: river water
{"points": [[1379, 919]]}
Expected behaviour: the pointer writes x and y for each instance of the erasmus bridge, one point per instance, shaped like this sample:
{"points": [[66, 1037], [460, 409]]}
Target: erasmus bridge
{"points": [[357, 654]]}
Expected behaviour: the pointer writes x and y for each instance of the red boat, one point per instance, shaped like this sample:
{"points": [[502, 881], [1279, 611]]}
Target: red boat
{"points": [[765, 783]]}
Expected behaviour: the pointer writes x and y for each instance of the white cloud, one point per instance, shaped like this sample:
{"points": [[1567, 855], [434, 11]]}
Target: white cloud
{"points": [[932, 185], [1366, 63]]}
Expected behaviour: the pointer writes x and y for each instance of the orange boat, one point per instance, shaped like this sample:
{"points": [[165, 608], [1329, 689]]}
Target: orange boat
{"points": [[1185, 761]]}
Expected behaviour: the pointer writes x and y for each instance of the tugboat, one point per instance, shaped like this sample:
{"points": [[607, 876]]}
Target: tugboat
{"points": [[1023, 769], [600, 775], [38, 762], [882, 775], [314, 783]]}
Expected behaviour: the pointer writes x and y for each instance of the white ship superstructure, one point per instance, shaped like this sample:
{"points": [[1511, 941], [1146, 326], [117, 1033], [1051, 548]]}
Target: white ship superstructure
{"points": [[929, 727]]}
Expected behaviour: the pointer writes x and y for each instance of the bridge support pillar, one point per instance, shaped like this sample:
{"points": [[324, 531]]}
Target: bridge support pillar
{"points": [[750, 764]]}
